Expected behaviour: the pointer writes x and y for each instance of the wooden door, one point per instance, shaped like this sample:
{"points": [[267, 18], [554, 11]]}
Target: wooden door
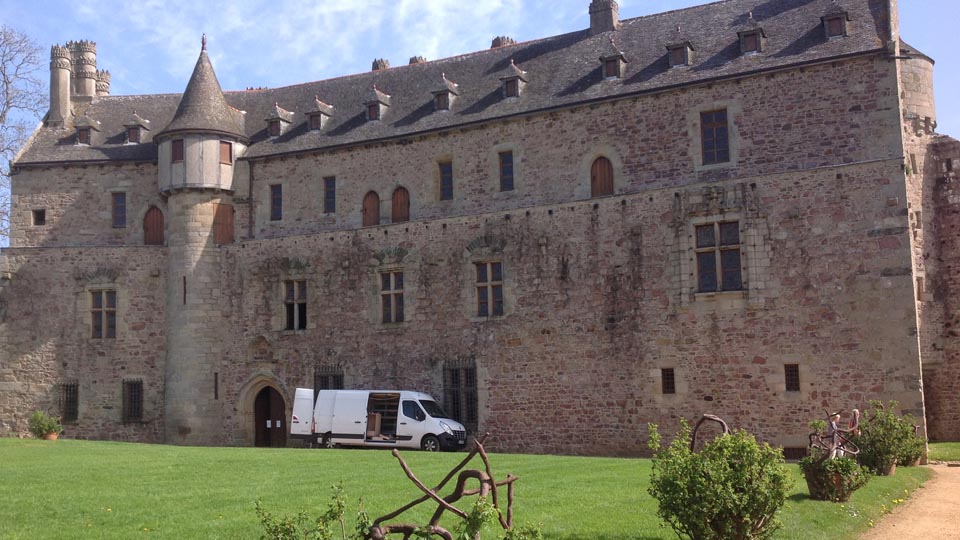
{"points": [[153, 227], [601, 177], [270, 415], [401, 205], [223, 224], [371, 209]]}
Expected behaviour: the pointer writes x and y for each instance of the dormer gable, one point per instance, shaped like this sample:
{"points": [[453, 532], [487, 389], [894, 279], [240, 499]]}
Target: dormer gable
{"points": [[514, 81], [752, 37], [376, 104], [135, 128], [613, 63], [444, 95], [321, 113], [835, 22], [680, 50], [278, 121], [88, 130]]}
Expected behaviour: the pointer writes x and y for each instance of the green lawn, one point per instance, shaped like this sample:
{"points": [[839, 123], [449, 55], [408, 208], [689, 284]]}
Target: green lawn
{"points": [[79, 489], [945, 451]]}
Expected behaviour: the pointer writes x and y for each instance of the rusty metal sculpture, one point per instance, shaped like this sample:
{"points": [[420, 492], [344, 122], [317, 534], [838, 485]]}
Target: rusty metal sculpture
{"points": [[836, 442], [704, 419], [488, 488]]}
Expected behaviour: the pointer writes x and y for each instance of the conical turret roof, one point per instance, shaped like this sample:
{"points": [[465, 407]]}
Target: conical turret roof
{"points": [[203, 107]]}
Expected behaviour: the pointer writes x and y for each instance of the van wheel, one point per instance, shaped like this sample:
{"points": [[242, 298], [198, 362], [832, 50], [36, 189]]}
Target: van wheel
{"points": [[430, 444], [327, 443]]}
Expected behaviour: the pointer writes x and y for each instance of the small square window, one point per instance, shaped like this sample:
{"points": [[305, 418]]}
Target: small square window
{"points": [[316, 121], [133, 134], [373, 112], [273, 128], [611, 68], [791, 373], [442, 101], [83, 136], [679, 56], [668, 382], [751, 43], [835, 26], [176, 151], [39, 217]]}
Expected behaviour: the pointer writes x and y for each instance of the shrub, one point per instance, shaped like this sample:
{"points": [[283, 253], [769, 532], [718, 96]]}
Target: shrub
{"points": [[887, 438], [730, 490], [327, 526], [832, 479], [42, 424]]}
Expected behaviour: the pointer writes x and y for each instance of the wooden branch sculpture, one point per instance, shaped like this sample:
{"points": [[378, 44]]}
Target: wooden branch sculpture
{"points": [[703, 419], [488, 488]]}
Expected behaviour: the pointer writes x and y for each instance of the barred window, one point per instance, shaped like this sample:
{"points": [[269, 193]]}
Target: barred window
{"points": [[460, 395], [295, 300], [69, 401], [327, 378], [103, 314], [391, 296], [132, 400], [718, 257], [668, 382], [791, 373], [489, 289]]}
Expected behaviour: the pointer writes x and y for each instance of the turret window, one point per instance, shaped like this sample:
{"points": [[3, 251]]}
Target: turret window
{"points": [[176, 151], [226, 153]]}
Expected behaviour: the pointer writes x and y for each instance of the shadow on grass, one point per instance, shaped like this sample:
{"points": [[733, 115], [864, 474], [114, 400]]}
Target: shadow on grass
{"points": [[799, 497]]}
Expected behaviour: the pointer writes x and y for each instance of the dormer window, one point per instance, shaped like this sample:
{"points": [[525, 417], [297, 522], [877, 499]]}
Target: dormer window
{"points": [[83, 135], [316, 121], [278, 120], [835, 24], [514, 81], [680, 54], [376, 103], [441, 101], [444, 95], [273, 128], [135, 126], [613, 65], [752, 41], [133, 135], [317, 118]]}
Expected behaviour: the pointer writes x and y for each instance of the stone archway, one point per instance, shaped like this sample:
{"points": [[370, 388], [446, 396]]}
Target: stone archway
{"points": [[265, 412]]}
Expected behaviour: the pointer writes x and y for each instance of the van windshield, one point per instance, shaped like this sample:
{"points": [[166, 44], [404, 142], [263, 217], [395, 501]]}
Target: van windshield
{"points": [[433, 409]]}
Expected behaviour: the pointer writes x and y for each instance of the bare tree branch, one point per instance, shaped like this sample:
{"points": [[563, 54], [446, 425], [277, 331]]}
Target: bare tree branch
{"points": [[23, 100]]}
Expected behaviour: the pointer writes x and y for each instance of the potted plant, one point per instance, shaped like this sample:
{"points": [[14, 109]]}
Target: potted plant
{"points": [[886, 438], [830, 473], [44, 426]]}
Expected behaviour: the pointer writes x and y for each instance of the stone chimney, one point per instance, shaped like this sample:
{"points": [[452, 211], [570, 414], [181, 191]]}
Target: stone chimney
{"points": [[83, 56], [59, 86], [604, 16], [380, 64], [417, 60], [103, 83], [502, 41]]}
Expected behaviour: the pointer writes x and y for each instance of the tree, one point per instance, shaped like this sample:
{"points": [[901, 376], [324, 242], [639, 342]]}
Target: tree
{"points": [[23, 101]]}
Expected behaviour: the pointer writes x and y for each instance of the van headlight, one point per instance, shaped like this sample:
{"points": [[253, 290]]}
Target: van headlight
{"points": [[445, 427]]}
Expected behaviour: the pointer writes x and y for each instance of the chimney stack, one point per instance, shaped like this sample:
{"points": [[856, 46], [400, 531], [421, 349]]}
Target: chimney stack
{"points": [[84, 59], [59, 86], [604, 16], [380, 64], [103, 83], [502, 41]]}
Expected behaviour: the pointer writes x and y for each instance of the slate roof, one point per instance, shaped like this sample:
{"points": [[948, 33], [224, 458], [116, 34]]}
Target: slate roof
{"points": [[561, 70]]}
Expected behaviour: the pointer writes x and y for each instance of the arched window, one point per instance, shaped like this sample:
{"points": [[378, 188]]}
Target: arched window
{"points": [[153, 227], [371, 209], [401, 205], [601, 177]]}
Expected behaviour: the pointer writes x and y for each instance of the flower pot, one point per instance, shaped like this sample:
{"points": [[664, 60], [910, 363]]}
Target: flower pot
{"points": [[888, 470], [51, 436]]}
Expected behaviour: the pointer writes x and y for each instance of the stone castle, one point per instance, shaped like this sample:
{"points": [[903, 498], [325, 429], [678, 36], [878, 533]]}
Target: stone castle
{"points": [[740, 208]]}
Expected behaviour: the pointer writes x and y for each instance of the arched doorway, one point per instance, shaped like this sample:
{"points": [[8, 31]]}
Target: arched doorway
{"points": [[401, 206], [371, 209], [270, 417], [153, 227]]}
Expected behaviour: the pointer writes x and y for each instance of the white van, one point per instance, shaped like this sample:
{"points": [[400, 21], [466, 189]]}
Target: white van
{"points": [[387, 418]]}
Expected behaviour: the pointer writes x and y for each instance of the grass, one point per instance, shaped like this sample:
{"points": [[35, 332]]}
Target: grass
{"points": [[79, 489], [946, 451]]}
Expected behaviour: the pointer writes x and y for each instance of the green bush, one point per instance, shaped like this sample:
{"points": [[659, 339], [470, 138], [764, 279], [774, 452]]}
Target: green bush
{"points": [[328, 526], [887, 438], [42, 424], [832, 479], [730, 490]]}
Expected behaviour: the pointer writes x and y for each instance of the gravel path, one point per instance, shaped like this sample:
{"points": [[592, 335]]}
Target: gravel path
{"points": [[932, 513]]}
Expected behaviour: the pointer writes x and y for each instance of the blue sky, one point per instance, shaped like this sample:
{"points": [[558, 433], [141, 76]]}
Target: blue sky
{"points": [[150, 46]]}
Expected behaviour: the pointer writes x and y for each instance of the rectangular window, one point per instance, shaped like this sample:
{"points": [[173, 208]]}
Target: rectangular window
{"points": [[489, 289], [442, 101], [316, 121], [69, 402], [39, 217], [273, 127], [103, 314], [511, 88], [83, 136], [718, 257], [714, 137], [750, 42], [119, 210], [506, 171], [668, 382], [276, 202], [834, 26], [791, 373], [176, 151], [611, 68], [133, 134], [391, 296], [295, 300], [132, 401], [678, 56], [373, 111], [326, 378], [446, 180], [460, 395], [329, 195], [226, 153]]}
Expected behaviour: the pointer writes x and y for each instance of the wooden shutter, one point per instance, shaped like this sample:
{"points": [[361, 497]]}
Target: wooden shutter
{"points": [[601, 177], [371, 209], [223, 224], [153, 227], [176, 151], [401, 205], [226, 152]]}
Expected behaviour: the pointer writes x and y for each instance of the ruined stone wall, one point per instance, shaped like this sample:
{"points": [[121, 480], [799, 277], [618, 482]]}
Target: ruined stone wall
{"points": [[597, 302], [45, 338], [77, 202]]}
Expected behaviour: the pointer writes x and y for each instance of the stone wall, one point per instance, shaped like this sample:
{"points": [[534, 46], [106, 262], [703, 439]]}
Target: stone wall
{"points": [[45, 337]]}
